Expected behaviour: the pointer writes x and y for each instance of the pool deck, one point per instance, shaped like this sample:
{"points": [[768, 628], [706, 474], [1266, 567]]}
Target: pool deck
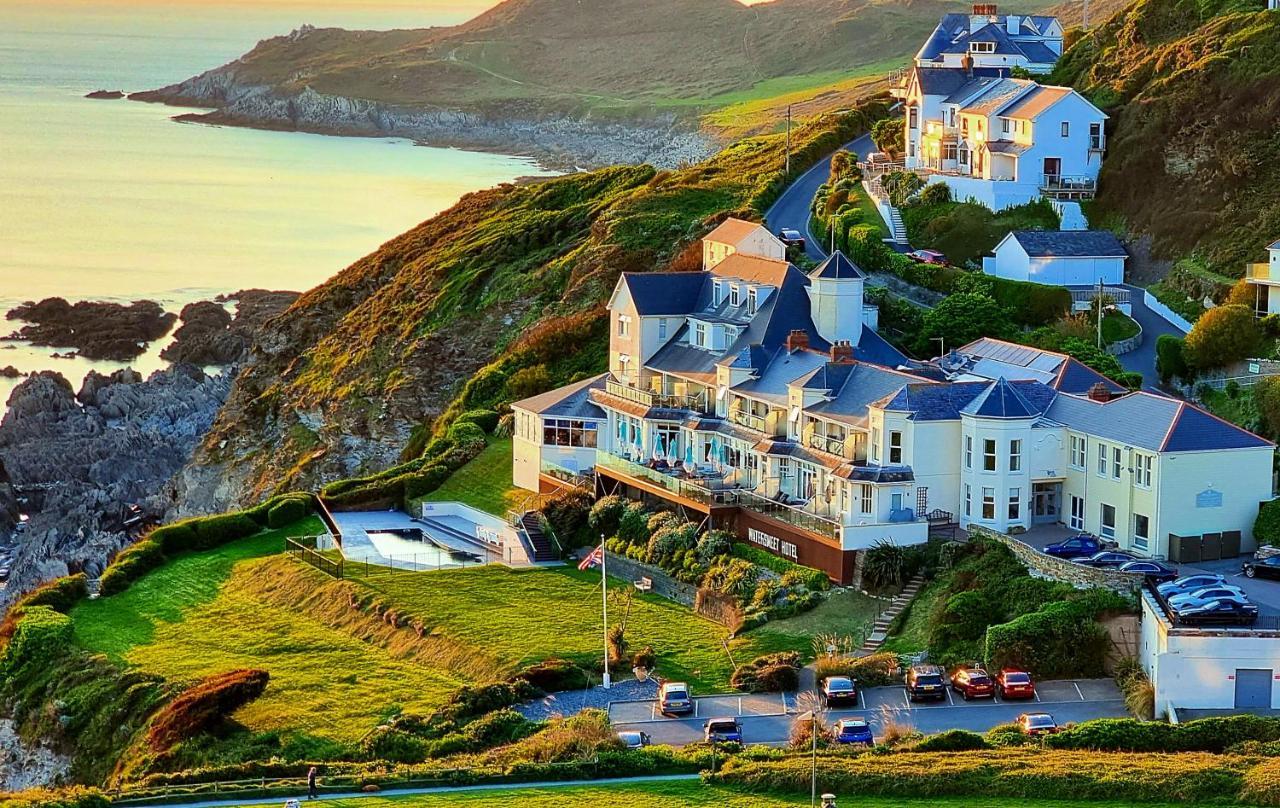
{"points": [[356, 545]]}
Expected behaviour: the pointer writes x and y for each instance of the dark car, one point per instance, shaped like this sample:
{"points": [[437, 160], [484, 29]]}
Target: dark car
{"points": [[673, 699], [973, 683], [791, 238], [1154, 571], [928, 257], [1012, 683], [840, 690], [1268, 567], [854, 730], [1035, 724], [926, 682], [1074, 547], [1219, 613], [1107, 559], [1190, 583], [722, 730]]}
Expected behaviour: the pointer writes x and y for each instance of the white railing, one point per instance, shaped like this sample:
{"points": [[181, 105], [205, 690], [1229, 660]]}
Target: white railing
{"points": [[1172, 317]]}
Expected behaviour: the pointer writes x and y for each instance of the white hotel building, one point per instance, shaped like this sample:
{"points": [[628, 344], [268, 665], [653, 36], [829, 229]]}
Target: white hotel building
{"points": [[762, 399]]}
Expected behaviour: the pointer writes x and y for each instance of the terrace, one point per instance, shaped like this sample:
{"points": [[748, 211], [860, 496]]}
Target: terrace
{"points": [[654, 399]]}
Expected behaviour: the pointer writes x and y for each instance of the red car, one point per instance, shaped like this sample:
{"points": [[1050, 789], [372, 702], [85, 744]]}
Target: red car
{"points": [[1015, 684], [973, 683], [928, 257]]}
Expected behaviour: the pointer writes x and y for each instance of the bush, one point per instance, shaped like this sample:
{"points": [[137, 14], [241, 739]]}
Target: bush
{"points": [[1171, 360], [423, 482], [606, 514], [1222, 335], [286, 513], [712, 544], [131, 564], [955, 740], [555, 675], [175, 538], [217, 530], [938, 193], [1202, 735], [771, 673], [40, 636], [884, 565], [467, 437], [1266, 528], [1060, 640], [203, 705], [487, 420], [813, 579], [1007, 735], [633, 527], [73, 797], [645, 658], [60, 594]]}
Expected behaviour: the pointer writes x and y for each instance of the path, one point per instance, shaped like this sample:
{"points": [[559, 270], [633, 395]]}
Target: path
{"points": [[792, 208], [1143, 358]]}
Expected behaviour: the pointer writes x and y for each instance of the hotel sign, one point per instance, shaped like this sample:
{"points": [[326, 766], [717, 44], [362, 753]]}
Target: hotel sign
{"points": [[773, 544]]}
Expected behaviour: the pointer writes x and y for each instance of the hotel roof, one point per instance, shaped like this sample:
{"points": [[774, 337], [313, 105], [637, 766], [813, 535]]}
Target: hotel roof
{"points": [[571, 401]]}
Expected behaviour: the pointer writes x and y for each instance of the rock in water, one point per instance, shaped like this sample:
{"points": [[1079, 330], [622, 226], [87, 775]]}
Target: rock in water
{"points": [[96, 330], [83, 459], [210, 336]]}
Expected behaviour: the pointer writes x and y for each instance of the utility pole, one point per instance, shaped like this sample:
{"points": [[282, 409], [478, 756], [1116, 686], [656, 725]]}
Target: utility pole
{"points": [[1086, 15], [1098, 302], [788, 170], [604, 610]]}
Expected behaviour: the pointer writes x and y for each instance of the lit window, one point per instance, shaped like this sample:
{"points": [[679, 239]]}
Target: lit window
{"points": [[988, 503], [1015, 455], [989, 454]]}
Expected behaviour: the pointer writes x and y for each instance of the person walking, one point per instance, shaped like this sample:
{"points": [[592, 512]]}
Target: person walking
{"points": [[311, 784]]}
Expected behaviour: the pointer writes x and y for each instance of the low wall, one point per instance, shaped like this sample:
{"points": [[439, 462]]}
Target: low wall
{"points": [[1176, 320], [1058, 569], [1124, 346], [663, 584]]}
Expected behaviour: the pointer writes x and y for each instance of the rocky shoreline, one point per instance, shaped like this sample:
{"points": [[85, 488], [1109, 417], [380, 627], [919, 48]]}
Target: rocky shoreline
{"points": [[562, 143], [95, 330]]}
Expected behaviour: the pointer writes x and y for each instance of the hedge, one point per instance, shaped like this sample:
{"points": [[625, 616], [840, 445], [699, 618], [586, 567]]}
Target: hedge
{"points": [[953, 740], [1201, 735], [771, 673], [40, 636], [485, 419], [60, 594], [73, 797], [1059, 640], [813, 579], [398, 485]]}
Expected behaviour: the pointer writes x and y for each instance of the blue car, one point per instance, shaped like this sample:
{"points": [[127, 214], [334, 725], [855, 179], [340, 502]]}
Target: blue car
{"points": [[1074, 547], [722, 730], [854, 730]]}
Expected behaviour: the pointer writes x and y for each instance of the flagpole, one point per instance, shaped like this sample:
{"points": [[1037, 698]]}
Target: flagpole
{"points": [[604, 610]]}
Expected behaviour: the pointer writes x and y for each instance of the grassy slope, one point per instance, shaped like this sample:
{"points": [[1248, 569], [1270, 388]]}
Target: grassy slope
{"points": [[484, 483], [687, 794]]}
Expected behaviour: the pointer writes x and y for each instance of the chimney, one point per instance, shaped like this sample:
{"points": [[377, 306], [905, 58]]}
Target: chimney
{"points": [[1012, 24], [842, 352], [1100, 392], [797, 340]]}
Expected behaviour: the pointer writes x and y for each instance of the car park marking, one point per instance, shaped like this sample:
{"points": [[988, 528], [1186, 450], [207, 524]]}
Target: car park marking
{"points": [[950, 701], [1078, 692]]}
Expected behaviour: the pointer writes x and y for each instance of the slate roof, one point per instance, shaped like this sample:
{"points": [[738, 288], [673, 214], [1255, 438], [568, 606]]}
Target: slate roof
{"points": [[783, 368], [862, 385], [1070, 243], [952, 35], [570, 401], [991, 358], [1001, 400], [940, 80], [970, 88], [1274, 246], [657, 293], [1006, 147], [933, 402], [1194, 430], [837, 267], [999, 95]]}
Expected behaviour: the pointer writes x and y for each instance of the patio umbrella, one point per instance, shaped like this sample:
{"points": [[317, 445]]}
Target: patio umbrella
{"points": [[689, 465], [673, 451], [658, 449]]}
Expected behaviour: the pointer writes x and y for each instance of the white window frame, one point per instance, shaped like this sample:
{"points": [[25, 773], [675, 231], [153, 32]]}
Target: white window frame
{"points": [[1015, 504], [968, 500], [968, 451], [1142, 541], [990, 460], [864, 500], [1117, 457], [1076, 521], [624, 325], [751, 300], [662, 328], [1102, 459], [700, 335], [1015, 455], [1079, 453], [735, 295], [875, 444], [1107, 532], [988, 504], [895, 447], [1142, 466]]}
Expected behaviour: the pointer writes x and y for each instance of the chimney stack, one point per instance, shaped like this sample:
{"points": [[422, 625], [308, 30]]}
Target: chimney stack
{"points": [[797, 340], [1100, 392], [1012, 24], [842, 352]]}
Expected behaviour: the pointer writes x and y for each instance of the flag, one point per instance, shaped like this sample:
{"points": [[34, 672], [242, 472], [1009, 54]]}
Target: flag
{"points": [[592, 559]]}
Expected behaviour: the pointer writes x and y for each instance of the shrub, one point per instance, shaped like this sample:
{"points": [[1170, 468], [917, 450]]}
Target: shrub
{"points": [[884, 565], [1222, 335], [711, 544], [529, 381], [176, 537], [1007, 735], [1061, 639], [203, 705], [217, 530], [421, 483], [60, 594], [1214, 735], [955, 740], [606, 514], [771, 673], [1171, 360], [40, 636], [132, 563], [487, 420], [645, 658], [286, 513], [938, 193], [555, 675], [805, 733], [733, 576], [466, 436], [813, 579], [1266, 528], [660, 520], [73, 797], [633, 527]]}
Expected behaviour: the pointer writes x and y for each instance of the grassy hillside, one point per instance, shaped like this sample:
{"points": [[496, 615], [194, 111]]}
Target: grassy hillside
{"points": [[1193, 91]]}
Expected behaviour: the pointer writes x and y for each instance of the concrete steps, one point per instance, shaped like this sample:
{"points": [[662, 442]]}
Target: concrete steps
{"points": [[897, 229], [880, 629]]}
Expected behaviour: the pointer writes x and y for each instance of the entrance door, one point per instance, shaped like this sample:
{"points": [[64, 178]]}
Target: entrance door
{"points": [[1077, 512], [1045, 502], [1052, 171], [1253, 688]]}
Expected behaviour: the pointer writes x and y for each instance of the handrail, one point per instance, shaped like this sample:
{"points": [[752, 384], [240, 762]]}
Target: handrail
{"points": [[790, 514], [329, 521], [649, 398]]}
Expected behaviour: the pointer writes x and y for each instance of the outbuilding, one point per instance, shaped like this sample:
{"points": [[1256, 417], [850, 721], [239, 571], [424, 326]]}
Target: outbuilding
{"points": [[1059, 258]]}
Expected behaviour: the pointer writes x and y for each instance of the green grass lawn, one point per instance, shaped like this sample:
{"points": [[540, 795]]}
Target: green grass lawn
{"points": [[687, 794], [1118, 326], [484, 483], [847, 613], [914, 635]]}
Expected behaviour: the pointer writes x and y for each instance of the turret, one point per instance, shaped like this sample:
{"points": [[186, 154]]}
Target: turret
{"points": [[836, 298]]}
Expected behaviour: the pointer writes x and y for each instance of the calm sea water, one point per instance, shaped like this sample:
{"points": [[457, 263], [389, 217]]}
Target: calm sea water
{"points": [[113, 200]]}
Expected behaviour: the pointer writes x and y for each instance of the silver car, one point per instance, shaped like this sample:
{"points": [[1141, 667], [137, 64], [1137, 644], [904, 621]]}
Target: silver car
{"points": [[1202, 596], [1190, 583]]}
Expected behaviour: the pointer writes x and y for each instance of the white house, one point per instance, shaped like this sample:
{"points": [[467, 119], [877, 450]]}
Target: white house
{"points": [[1059, 258], [1264, 277], [991, 42], [736, 236], [1001, 141]]}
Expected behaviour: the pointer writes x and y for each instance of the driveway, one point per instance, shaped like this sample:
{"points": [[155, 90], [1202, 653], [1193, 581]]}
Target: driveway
{"points": [[1143, 358], [792, 208], [763, 723]]}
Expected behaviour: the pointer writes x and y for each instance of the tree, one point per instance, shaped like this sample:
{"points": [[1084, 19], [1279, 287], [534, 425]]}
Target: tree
{"points": [[1266, 394], [901, 186], [1221, 336], [961, 318], [1171, 360], [1242, 293], [889, 135]]}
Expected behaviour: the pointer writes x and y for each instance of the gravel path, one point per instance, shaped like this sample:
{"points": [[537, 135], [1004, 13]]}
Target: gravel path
{"points": [[572, 702]]}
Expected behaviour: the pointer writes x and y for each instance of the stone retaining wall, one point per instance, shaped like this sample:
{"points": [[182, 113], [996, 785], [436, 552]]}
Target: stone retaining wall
{"points": [[663, 584], [1124, 346], [1057, 569]]}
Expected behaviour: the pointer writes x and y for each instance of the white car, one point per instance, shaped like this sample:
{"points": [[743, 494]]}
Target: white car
{"points": [[1190, 583], [1202, 596]]}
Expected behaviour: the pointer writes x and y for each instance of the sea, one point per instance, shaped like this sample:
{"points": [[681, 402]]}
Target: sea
{"points": [[113, 200]]}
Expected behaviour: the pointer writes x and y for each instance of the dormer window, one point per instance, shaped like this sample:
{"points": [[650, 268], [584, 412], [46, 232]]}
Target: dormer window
{"points": [[700, 335], [751, 300], [982, 47], [717, 291], [735, 295]]}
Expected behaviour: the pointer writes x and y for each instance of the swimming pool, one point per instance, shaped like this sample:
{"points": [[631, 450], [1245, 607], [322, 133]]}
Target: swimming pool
{"points": [[415, 546]]}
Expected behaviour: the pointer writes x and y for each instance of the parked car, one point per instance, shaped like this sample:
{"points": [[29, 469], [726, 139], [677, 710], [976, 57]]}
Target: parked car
{"points": [[854, 730], [839, 690], [1076, 546], [674, 699], [928, 257], [1202, 596], [791, 238], [722, 730], [973, 683], [1036, 724], [1218, 612], [1106, 559], [1190, 583], [1154, 571], [926, 682], [1268, 567], [1012, 683], [634, 740]]}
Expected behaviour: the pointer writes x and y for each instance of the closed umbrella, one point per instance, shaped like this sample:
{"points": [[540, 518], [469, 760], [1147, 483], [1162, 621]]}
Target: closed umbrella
{"points": [[673, 451], [658, 449], [689, 465]]}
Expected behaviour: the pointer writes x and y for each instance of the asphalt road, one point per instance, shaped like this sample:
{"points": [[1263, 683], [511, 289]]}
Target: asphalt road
{"points": [[792, 208], [1143, 358], [765, 721]]}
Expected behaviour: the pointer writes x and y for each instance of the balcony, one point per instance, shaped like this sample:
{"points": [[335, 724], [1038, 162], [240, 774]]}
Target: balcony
{"points": [[827, 443], [792, 515], [1059, 187], [700, 490], [648, 398], [750, 420], [1260, 272]]}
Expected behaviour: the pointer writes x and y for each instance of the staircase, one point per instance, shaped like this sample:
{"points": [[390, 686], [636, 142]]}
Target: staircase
{"points": [[539, 543], [897, 229], [880, 630]]}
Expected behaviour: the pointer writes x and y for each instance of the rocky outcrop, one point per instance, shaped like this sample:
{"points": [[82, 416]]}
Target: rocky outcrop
{"points": [[96, 330], [105, 95], [210, 335], [563, 142], [93, 465]]}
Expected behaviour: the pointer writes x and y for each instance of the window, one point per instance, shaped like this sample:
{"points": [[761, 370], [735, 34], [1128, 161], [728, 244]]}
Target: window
{"points": [[951, 117], [864, 497], [1006, 125], [968, 451], [1015, 455], [913, 117], [662, 328], [964, 156], [911, 148], [875, 444], [700, 335], [624, 364], [1115, 462], [624, 325], [1108, 521], [1095, 136], [1066, 128], [1077, 512], [751, 300], [988, 454], [988, 503], [982, 47], [560, 432], [1102, 460], [1015, 504], [968, 501], [895, 501], [1141, 531], [735, 295], [1078, 449], [895, 447], [950, 151], [964, 125], [717, 293], [1142, 465]]}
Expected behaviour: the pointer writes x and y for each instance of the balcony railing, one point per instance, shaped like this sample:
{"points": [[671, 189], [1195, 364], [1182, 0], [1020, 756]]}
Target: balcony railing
{"points": [[1258, 271], [805, 520], [826, 443], [689, 489], [749, 419], [648, 398], [1055, 182]]}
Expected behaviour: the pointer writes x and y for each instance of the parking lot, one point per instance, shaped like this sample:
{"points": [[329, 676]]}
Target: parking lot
{"points": [[767, 718]]}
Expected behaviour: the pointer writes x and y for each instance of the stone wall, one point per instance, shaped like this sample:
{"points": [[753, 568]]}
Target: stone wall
{"points": [[663, 584], [1058, 569]]}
